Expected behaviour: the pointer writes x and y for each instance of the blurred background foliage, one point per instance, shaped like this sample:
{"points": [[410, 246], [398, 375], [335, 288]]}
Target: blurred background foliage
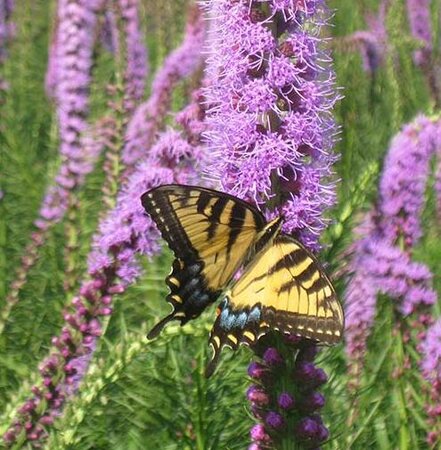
{"points": [[150, 395]]}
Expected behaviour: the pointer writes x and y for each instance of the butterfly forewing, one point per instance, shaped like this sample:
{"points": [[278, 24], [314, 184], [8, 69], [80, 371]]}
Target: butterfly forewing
{"points": [[284, 288], [210, 234]]}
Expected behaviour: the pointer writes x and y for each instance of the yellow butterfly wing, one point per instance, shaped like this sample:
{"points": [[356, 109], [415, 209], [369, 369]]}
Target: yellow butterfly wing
{"points": [[210, 233], [284, 288]]}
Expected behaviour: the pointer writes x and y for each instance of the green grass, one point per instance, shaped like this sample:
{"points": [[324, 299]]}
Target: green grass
{"points": [[148, 395]]}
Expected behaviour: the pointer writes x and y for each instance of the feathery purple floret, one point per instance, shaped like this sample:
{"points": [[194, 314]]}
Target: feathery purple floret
{"points": [[269, 116], [418, 13], [147, 118]]}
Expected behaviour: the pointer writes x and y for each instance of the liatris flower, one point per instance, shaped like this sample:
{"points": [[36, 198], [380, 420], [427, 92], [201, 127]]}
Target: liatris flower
{"points": [[404, 179], [418, 12], [381, 261], [287, 415], [149, 116], [136, 53], [112, 267], [269, 126], [269, 133]]}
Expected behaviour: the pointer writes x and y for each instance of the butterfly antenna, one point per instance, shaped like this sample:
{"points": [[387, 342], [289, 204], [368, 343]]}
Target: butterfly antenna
{"points": [[159, 326]]}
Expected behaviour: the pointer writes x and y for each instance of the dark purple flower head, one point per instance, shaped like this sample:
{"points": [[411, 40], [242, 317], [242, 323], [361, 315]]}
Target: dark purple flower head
{"points": [[274, 420], [285, 400], [257, 395], [257, 370], [272, 357], [259, 434]]}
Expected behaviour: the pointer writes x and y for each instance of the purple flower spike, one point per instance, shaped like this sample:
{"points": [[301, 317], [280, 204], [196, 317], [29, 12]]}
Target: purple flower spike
{"points": [[136, 70], [149, 116], [382, 256]]}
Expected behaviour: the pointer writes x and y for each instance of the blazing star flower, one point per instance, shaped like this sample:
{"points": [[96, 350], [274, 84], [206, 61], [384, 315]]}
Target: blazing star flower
{"points": [[125, 232], [136, 67], [382, 261], [287, 414], [402, 185], [418, 13], [269, 132], [269, 125], [149, 116]]}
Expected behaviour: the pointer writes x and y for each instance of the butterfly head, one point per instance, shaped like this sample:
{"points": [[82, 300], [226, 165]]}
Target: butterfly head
{"points": [[273, 227]]}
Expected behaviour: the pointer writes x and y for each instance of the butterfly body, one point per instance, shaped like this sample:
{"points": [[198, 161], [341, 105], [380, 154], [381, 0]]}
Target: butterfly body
{"points": [[213, 235]]}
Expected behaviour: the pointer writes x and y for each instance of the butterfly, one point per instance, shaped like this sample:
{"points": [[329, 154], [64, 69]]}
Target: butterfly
{"points": [[212, 235]]}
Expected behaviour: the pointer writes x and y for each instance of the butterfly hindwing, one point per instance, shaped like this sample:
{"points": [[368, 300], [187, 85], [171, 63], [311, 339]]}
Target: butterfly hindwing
{"points": [[210, 234], [284, 288]]}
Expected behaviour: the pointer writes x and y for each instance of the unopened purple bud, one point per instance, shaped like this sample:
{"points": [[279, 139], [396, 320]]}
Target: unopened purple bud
{"points": [[308, 353], [47, 420], [304, 371], [307, 428], [82, 311], [28, 426], [320, 377], [257, 395], [272, 357], [286, 400], [274, 420], [84, 328], [117, 289], [32, 436], [256, 370], [258, 433], [313, 401], [105, 311], [9, 436], [323, 433], [65, 352], [106, 300], [255, 446], [76, 301], [98, 284]]}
